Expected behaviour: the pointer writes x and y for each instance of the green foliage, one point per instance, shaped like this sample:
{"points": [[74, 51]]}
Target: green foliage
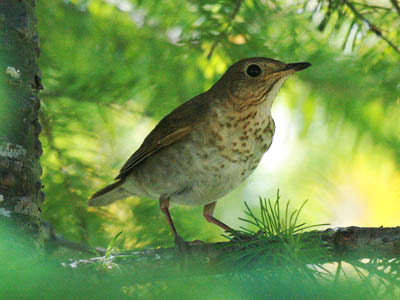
{"points": [[277, 243], [111, 69], [354, 18], [111, 248], [273, 222], [273, 228], [279, 264], [285, 270]]}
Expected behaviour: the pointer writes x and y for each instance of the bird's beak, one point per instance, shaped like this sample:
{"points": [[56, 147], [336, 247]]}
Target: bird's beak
{"points": [[288, 69], [297, 66]]}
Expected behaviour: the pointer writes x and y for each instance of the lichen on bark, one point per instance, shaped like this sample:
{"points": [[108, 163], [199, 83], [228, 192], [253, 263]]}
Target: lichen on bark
{"points": [[20, 148]]}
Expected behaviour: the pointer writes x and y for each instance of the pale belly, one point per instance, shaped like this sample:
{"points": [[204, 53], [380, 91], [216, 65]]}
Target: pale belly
{"points": [[199, 170], [186, 179]]}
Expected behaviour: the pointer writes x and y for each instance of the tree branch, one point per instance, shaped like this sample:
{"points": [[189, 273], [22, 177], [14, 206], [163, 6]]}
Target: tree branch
{"points": [[54, 240], [371, 26], [342, 244]]}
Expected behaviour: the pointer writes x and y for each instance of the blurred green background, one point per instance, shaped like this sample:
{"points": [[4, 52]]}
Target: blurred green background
{"points": [[113, 68]]}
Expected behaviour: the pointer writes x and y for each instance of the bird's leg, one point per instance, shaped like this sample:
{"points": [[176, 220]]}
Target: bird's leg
{"points": [[164, 205], [208, 214]]}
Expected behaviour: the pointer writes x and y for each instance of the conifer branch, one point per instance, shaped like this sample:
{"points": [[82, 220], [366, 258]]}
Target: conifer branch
{"points": [[371, 26], [342, 244]]}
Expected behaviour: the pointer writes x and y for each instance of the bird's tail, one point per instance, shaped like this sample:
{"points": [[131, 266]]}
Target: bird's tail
{"points": [[109, 194]]}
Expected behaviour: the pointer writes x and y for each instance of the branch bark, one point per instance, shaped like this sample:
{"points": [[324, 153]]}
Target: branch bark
{"points": [[343, 243]]}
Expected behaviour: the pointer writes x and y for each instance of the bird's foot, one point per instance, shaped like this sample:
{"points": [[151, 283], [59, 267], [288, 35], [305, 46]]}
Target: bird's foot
{"points": [[238, 236], [183, 245]]}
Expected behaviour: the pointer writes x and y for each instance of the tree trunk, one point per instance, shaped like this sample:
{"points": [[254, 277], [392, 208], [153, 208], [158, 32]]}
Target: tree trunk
{"points": [[20, 148]]}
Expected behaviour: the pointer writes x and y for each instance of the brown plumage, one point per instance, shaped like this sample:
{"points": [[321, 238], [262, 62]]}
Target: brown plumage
{"points": [[208, 145]]}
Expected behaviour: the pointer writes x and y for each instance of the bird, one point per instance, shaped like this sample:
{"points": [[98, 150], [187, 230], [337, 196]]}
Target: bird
{"points": [[208, 145]]}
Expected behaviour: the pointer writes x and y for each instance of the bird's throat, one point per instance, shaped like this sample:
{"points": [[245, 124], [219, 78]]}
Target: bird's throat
{"points": [[265, 98]]}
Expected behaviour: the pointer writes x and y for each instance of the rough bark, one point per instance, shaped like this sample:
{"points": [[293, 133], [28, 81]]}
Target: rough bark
{"points": [[342, 244], [20, 148]]}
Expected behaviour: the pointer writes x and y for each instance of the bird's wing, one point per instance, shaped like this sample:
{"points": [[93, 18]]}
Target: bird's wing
{"points": [[172, 128]]}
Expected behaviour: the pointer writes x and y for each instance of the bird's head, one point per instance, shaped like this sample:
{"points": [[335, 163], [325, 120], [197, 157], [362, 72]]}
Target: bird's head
{"points": [[254, 80]]}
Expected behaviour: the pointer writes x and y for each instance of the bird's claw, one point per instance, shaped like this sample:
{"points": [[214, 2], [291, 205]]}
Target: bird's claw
{"points": [[181, 244], [238, 236]]}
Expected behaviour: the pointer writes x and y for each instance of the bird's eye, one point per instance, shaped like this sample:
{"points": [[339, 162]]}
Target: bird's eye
{"points": [[253, 71]]}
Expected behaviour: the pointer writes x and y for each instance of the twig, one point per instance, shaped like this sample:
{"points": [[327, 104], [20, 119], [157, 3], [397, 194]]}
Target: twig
{"points": [[228, 26], [371, 26], [396, 5], [60, 241], [56, 240]]}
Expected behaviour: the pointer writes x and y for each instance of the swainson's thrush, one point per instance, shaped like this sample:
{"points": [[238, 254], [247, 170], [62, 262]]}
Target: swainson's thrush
{"points": [[207, 146]]}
